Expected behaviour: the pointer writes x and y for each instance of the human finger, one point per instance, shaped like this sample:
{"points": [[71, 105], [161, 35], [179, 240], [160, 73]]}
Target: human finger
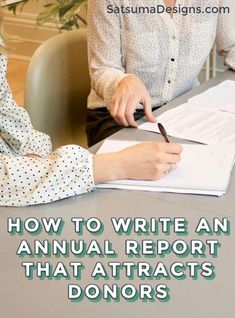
{"points": [[148, 108], [165, 157], [121, 113], [130, 109], [170, 148]]}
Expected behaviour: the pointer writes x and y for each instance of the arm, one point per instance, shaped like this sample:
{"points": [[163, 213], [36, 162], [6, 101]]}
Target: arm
{"points": [[121, 92], [104, 50], [71, 171], [226, 33], [16, 131], [28, 181], [144, 161]]}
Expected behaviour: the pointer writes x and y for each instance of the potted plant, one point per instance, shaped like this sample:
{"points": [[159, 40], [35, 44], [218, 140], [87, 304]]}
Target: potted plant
{"points": [[66, 13]]}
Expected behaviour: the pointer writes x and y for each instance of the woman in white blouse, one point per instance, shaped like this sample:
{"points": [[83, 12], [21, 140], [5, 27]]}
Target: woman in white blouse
{"points": [[31, 174], [140, 59]]}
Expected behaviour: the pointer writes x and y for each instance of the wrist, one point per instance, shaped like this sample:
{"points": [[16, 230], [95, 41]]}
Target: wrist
{"points": [[126, 77], [108, 167]]}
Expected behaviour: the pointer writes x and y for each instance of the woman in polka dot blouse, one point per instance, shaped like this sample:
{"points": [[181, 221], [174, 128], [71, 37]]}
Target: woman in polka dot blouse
{"points": [[31, 174], [141, 59]]}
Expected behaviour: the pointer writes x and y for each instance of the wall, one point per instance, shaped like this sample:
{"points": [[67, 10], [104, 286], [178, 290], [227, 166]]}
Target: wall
{"points": [[23, 27]]}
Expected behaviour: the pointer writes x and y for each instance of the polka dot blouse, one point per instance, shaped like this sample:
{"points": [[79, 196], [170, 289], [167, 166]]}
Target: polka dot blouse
{"points": [[166, 53], [25, 180], [17, 134]]}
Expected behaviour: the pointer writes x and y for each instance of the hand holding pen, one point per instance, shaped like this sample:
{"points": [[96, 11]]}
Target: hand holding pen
{"points": [[172, 166]]}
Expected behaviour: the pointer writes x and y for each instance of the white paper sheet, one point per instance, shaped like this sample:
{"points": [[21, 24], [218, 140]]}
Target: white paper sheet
{"points": [[198, 124], [208, 118], [220, 97], [202, 170]]}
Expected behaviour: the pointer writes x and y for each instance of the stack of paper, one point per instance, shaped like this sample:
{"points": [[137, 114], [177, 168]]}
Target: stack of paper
{"points": [[198, 124], [202, 170], [208, 118], [220, 97]]}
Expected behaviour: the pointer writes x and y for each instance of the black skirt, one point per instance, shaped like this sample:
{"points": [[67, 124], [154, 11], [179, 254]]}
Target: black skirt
{"points": [[100, 124]]}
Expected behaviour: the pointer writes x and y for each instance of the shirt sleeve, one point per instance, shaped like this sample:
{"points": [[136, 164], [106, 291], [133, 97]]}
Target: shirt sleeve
{"points": [[28, 181], [16, 131], [104, 49], [226, 33]]}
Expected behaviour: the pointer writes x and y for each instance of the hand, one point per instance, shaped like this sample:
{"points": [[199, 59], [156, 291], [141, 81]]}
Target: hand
{"points": [[130, 92], [150, 160], [145, 161]]}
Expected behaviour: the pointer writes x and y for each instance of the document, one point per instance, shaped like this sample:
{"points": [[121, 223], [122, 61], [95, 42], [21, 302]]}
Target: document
{"points": [[220, 97], [202, 170], [207, 118], [198, 124]]}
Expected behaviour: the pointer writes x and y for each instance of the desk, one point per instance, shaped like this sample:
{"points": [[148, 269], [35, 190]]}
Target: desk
{"points": [[22, 298]]}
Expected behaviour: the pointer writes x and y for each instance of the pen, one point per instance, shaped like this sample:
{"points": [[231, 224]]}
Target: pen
{"points": [[163, 132]]}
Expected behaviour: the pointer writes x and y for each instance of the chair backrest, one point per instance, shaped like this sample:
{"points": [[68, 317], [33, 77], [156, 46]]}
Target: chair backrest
{"points": [[57, 87]]}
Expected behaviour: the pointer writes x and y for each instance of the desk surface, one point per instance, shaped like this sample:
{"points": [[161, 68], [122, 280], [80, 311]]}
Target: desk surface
{"points": [[23, 298]]}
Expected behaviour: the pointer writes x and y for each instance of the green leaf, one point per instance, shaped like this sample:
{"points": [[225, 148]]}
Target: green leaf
{"points": [[63, 10], [68, 25]]}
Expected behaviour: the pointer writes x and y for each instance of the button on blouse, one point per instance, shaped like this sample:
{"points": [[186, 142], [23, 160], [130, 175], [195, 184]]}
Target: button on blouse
{"points": [[143, 44]]}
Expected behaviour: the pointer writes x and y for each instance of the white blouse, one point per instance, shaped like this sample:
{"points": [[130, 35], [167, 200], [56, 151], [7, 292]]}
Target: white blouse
{"points": [[166, 53], [24, 180]]}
